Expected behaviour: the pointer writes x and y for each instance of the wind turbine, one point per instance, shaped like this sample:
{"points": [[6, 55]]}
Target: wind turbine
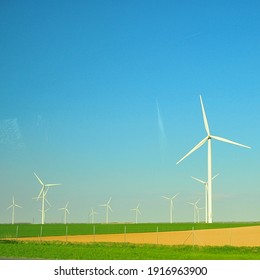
{"points": [[13, 205], [37, 198], [66, 211], [42, 194], [206, 194], [171, 204], [203, 141], [137, 211], [92, 214], [198, 212], [107, 208], [195, 209]]}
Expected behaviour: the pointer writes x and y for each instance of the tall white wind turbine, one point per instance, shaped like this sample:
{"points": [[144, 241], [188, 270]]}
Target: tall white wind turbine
{"points": [[203, 141], [137, 211], [92, 214], [42, 195], [195, 210], [66, 211], [205, 183], [13, 205], [171, 205], [108, 208]]}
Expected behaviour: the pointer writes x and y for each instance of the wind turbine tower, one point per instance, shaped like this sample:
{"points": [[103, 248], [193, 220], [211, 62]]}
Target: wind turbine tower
{"points": [[195, 210], [66, 211], [202, 142], [137, 211], [206, 194], [13, 205], [42, 194], [171, 205], [92, 214], [198, 212], [108, 208]]}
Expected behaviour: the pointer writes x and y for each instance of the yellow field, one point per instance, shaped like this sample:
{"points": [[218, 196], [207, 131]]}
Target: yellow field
{"points": [[242, 236]]}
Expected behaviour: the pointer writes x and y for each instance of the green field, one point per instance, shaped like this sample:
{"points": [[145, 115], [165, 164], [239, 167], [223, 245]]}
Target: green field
{"points": [[115, 251], [31, 230]]}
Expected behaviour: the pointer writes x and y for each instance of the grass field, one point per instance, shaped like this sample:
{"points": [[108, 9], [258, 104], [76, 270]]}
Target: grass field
{"points": [[31, 230], [115, 251]]}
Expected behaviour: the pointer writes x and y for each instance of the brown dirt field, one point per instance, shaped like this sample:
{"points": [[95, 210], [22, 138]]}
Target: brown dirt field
{"points": [[242, 236]]}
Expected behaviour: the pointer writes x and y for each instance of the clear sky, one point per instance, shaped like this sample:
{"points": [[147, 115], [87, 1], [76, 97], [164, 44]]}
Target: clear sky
{"points": [[103, 97]]}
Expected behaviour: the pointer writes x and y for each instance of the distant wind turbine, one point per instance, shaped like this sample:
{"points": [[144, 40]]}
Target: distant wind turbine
{"points": [[137, 211], [198, 212], [108, 208], [92, 214], [203, 141], [66, 211], [42, 194], [206, 194], [13, 205], [171, 205], [195, 209]]}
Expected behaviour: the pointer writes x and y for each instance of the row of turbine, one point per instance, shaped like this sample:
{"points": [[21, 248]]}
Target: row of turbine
{"points": [[208, 184], [45, 187]]}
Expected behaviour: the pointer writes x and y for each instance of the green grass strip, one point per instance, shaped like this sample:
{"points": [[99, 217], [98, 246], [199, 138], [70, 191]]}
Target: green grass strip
{"points": [[118, 251], [34, 230]]}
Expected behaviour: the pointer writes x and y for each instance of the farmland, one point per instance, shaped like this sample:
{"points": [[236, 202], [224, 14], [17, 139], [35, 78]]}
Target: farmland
{"points": [[36, 230], [12, 247]]}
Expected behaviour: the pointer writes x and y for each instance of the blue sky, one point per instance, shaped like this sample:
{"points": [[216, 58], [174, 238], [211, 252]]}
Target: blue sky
{"points": [[80, 83]]}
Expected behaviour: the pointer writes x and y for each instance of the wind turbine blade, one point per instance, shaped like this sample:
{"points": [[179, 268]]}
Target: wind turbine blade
{"points": [[139, 212], [198, 180], [229, 141], [109, 200], [190, 203], [175, 195], [52, 185], [165, 197], [9, 207], [109, 208], [16, 205], [103, 205], [38, 179], [39, 195], [46, 191], [194, 149], [215, 176], [204, 116], [47, 201]]}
